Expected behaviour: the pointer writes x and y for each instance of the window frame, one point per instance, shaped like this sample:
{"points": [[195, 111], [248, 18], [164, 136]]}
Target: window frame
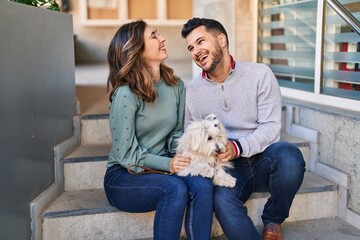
{"points": [[317, 96], [161, 19]]}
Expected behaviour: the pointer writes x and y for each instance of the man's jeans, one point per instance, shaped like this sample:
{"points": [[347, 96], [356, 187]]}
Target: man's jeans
{"points": [[169, 196], [279, 170]]}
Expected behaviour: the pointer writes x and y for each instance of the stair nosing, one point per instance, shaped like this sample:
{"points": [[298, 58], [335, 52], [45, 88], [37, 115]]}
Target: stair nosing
{"points": [[94, 116], [80, 212], [105, 207], [86, 159]]}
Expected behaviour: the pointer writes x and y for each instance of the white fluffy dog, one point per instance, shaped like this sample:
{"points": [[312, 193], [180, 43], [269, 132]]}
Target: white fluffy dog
{"points": [[201, 141]]}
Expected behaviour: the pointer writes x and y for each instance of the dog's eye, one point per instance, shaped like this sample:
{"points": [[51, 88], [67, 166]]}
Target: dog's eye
{"points": [[210, 138]]}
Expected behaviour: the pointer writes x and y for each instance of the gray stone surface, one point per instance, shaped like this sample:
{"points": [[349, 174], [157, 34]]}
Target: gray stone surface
{"points": [[338, 144], [86, 214], [319, 229]]}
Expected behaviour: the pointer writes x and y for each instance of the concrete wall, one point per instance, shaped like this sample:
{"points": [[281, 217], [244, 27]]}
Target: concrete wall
{"points": [[37, 104], [339, 141], [246, 30]]}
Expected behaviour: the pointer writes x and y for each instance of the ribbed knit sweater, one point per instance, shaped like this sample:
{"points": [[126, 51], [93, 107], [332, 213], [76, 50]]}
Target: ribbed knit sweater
{"points": [[145, 133], [248, 103]]}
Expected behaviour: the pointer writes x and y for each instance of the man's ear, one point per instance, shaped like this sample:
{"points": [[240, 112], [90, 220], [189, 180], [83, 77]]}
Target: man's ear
{"points": [[222, 39]]}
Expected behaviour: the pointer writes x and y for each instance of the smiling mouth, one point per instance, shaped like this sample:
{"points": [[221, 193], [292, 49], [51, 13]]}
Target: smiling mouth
{"points": [[202, 58]]}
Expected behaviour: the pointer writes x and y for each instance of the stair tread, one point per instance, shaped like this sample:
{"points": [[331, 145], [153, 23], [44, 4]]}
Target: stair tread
{"points": [[96, 152], [84, 202], [300, 142], [100, 152]]}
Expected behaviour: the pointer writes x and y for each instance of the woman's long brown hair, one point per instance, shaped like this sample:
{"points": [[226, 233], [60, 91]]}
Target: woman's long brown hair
{"points": [[127, 67]]}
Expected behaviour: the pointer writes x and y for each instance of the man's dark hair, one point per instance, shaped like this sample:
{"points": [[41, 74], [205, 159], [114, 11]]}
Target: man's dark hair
{"points": [[210, 25]]}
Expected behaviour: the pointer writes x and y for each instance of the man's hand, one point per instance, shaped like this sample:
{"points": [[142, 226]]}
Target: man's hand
{"points": [[228, 155]]}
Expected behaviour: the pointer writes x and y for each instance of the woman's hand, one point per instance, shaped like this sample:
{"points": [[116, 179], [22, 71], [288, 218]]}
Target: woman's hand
{"points": [[178, 163], [228, 155]]}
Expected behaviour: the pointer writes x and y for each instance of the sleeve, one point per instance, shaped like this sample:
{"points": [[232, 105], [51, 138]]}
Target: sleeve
{"points": [[125, 147], [187, 117], [269, 117], [179, 128]]}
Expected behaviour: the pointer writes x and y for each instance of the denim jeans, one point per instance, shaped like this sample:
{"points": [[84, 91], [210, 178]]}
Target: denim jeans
{"points": [[169, 195], [278, 170]]}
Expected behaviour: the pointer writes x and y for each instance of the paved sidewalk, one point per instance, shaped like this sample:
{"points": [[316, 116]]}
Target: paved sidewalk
{"points": [[320, 229]]}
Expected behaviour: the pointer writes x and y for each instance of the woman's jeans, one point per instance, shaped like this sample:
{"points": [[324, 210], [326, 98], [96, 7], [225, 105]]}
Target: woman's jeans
{"points": [[169, 195], [279, 170]]}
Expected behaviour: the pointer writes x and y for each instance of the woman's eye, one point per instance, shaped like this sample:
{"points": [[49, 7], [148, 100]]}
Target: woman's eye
{"points": [[210, 138]]}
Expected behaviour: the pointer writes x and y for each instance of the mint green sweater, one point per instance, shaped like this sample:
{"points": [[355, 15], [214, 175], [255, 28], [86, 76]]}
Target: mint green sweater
{"points": [[145, 133]]}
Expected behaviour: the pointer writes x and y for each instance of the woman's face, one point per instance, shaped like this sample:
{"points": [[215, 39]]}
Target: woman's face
{"points": [[155, 51]]}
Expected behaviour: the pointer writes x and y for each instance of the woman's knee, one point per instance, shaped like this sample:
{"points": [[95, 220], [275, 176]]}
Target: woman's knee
{"points": [[176, 193], [202, 186]]}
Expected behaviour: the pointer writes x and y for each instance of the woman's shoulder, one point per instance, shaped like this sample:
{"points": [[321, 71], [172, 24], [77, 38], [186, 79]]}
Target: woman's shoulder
{"points": [[124, 92], [180, 84]]}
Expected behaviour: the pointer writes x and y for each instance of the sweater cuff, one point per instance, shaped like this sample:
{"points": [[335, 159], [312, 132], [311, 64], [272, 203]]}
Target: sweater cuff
{"points": [[237, 147]]}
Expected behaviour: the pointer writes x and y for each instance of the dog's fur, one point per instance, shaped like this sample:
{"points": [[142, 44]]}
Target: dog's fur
{"points": [[201, 141]]}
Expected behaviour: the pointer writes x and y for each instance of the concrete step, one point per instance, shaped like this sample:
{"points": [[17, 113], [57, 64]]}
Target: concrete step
{"points": [[86, 214], [95, 129], [85, 167]]}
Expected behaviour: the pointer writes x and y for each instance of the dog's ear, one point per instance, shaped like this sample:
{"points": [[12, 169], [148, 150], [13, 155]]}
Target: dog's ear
{"points": [[210, 117], [197, 132]]}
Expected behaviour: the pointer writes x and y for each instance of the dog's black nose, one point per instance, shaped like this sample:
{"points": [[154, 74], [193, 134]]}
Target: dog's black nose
{"points": [[218, 150]]}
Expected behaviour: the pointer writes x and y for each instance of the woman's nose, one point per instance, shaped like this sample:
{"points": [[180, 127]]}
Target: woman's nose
{"points": [[161, 38]]}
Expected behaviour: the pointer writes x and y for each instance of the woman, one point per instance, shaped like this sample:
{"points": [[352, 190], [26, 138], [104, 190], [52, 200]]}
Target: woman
{"points": [[146, 119]]}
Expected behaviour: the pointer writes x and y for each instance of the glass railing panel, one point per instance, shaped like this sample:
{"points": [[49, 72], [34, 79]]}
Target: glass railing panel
{"points": [[287, 41], [341, 55]]}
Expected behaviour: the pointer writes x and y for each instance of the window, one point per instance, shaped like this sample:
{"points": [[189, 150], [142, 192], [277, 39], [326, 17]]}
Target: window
{"points": [[311, 57], [341, 73], [117, 12], [287, 42]]}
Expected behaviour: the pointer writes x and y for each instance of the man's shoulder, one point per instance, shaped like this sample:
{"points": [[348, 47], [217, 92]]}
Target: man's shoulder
{"points": [[194, 83], [252, 65]]}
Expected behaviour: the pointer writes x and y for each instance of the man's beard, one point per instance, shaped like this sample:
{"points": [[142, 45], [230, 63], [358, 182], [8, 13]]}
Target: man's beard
{"points": [[217, 57]]}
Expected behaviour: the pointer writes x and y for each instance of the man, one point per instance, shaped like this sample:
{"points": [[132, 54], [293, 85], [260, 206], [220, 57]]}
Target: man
{"points": [[246, 99]]}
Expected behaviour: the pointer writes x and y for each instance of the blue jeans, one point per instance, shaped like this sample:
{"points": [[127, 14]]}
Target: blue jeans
{"points": [[169, 195], [279, 170]]}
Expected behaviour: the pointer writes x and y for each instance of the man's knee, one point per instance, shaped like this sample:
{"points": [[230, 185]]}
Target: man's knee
{"points": [[289, 155]]}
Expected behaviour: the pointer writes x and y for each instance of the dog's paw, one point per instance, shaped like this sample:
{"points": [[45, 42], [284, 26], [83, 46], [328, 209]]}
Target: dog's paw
{"points": [[183, 172], [224, 180], [206, 171], [203, 170]]}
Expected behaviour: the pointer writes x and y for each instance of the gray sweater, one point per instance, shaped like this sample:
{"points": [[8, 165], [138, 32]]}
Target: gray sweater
{"points": [[248, 103]]}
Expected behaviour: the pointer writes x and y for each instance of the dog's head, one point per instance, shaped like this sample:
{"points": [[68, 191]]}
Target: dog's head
{"points": [[206, 137]]}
